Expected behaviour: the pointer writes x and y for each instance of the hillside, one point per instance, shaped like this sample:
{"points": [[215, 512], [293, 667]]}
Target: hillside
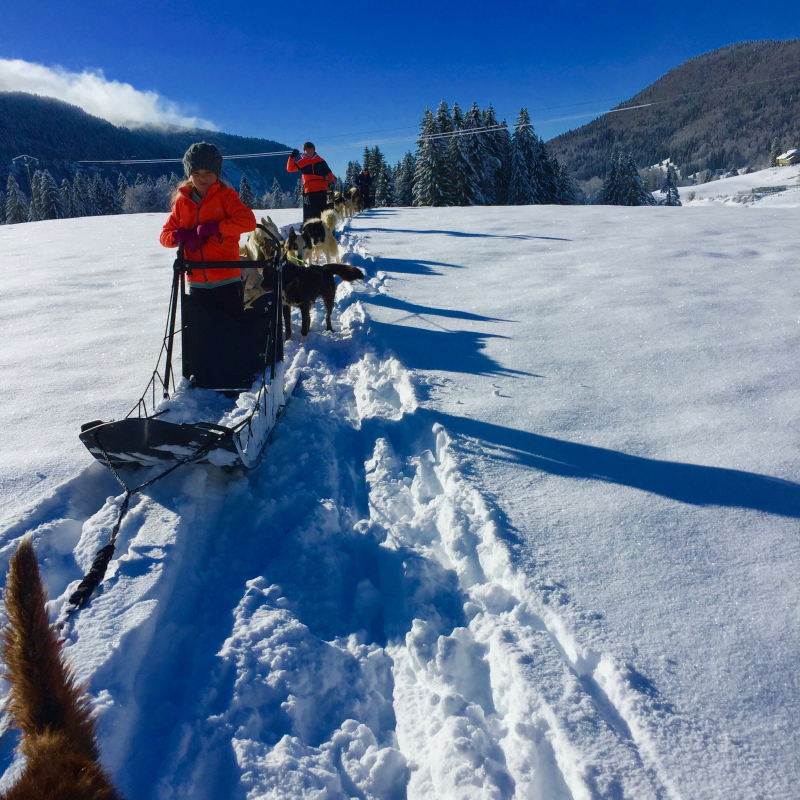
{"points": [[60, 134], [716, 122]]}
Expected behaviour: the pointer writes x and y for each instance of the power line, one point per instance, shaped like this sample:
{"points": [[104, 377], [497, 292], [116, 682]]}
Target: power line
{"points": [[450, 134]]}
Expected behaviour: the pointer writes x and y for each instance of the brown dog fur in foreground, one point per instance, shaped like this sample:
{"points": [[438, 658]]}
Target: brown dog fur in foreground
{"points": [[44, 701]]}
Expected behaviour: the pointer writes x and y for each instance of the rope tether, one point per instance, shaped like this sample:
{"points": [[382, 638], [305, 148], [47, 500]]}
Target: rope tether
{"points": [[81, 596]]}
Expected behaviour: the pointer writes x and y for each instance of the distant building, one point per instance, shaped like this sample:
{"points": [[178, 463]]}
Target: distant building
{"points": [[788, 158]]}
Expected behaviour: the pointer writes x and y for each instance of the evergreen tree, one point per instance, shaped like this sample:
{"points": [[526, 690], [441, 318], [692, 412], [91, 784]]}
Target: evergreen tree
{"points": [[670, 188], [524, 152], [34, 208], [298, 193], [350, 177], [503, 174], [637, 195], [111, 202], [568, 192], [367, 161], [446, 125], [139, 179], [477, 150], [49, 201], [66, 198], [174, 183], [246, 193], [611, 193], [2, 207], [775, 152], [404, 182], [430, 187], [16, 202], [544, 174], [80, 196], [623, 186], [466, 180], [524, 156], [273, 197], [95, 191], [122, 187], [491, 178]]}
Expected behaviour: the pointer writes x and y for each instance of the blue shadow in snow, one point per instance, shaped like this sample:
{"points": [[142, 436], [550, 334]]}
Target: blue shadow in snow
{"points": [[410, 266], [450, 351], [687, 483], [387, 301], [466, 235]]}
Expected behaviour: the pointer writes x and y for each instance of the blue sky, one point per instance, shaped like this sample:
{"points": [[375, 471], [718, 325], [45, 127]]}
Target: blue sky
{"points": [[341, 73]]}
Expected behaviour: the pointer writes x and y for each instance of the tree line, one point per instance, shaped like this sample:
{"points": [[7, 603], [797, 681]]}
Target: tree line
{"points": [[468, 159], [92, 196]]}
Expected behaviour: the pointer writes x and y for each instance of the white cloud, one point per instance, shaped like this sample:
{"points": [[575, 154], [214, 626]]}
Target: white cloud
{"points": [[116, 102]]}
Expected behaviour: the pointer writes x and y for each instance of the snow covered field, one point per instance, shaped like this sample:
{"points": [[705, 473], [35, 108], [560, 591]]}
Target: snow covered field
{"points": [[529, 529], [784, 183]]}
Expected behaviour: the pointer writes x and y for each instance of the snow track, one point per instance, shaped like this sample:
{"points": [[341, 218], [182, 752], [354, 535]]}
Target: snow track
{"points": [[348, 620]]}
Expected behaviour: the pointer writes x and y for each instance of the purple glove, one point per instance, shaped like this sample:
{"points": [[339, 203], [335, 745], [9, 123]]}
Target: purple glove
{"points": [[190, 239], [205, 230]]}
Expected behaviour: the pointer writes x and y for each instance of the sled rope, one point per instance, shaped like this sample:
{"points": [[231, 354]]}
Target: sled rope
{"points": [[81, 596]]}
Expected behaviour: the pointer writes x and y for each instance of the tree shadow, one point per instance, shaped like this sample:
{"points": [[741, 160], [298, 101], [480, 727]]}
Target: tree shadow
{"points": [[686, 483], [443, 350], [387, 301], [467, 235]]}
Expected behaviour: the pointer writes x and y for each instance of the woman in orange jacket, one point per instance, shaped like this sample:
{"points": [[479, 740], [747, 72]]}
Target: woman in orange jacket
{"points": [[208, 217]]}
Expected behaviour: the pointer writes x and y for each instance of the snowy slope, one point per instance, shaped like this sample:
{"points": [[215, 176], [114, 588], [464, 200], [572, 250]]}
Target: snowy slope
{"points": [[741, 188], [529, 529]]}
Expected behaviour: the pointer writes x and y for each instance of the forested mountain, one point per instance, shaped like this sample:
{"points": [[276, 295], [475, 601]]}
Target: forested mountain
{"points": [[60, 135], [724, 109]]}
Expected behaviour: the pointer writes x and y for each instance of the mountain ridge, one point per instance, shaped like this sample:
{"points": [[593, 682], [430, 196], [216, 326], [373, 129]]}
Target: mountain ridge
{"points": [[718, 110], [60, 135]]}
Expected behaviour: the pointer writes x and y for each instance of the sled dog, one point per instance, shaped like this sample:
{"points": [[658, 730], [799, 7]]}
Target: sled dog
{"points": [[44, 700], [258, 247], [340, 205], [303, 285], [314, 238]]}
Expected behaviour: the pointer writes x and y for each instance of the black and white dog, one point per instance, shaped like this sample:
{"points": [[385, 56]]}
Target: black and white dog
{"points": [[315, 237]]}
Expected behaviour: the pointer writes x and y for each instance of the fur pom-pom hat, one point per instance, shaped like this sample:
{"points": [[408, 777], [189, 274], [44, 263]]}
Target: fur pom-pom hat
{"points": [[202, 155]]}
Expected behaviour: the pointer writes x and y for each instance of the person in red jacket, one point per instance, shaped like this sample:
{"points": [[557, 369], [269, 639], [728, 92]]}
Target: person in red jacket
{"points": [[316, 177], [208, 217]]}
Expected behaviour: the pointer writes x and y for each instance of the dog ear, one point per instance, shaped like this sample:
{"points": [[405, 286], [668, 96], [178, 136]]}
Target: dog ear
{"points": [[264, 221]]}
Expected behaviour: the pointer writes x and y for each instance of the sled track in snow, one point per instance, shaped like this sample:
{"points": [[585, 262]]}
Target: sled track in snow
{"points": [[348, 620]]}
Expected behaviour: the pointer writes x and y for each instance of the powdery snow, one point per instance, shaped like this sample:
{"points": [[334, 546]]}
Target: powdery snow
{"points": [[528, 528]]}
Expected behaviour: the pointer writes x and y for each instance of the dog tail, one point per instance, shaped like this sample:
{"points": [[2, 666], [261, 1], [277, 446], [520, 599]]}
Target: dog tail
{"points": [[44, 693], [345, 271], [329, 218]]}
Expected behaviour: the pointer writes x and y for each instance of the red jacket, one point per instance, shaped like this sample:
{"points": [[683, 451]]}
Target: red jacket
{"points": [[316, 173], [219, 205]]}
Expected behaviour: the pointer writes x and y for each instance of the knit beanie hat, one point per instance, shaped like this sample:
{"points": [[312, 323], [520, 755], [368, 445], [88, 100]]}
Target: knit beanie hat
{"points": [[202, 155]]}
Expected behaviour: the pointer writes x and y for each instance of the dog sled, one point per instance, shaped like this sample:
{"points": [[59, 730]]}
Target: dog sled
{"points": [[232, 392]]}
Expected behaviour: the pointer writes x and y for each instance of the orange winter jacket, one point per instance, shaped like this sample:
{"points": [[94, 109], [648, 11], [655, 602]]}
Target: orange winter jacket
{"points": [[220, 205], [316, 173]]}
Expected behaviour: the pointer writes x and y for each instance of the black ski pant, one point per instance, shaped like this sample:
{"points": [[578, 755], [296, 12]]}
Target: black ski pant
{"points": [[228, 297], [314, 203], [364, 192]]}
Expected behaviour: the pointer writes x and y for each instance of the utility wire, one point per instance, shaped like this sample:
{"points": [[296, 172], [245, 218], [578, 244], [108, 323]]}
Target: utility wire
{"points": [[451, 134]]}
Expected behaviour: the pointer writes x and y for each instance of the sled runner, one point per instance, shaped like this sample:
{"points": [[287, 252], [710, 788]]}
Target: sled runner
{"points": [[240, 359]]}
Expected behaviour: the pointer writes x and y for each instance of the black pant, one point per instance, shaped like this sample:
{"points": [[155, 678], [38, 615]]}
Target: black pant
{"points": [[364, 192], [228, 297], [314, 203]]}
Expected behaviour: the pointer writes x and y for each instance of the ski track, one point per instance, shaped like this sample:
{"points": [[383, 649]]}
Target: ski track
{"points": [[348, 620]]}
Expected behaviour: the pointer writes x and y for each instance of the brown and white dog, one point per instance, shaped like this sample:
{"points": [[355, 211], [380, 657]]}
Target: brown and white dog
{"points": [[302, 285], [340, 205], [258, 247], [314, 238], [45, 702]]}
